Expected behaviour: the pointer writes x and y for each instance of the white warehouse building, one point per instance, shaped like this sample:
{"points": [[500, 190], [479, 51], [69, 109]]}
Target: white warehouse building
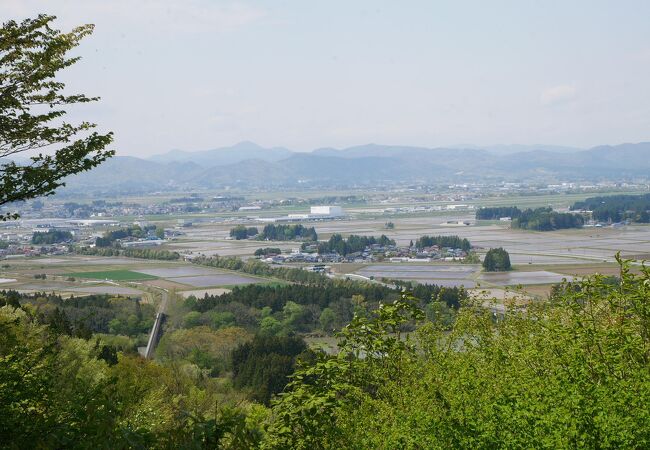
{"points": [[329, 211]]}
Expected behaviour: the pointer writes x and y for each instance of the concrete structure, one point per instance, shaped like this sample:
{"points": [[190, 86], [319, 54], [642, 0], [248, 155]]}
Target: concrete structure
{"points": [[330, 211], [316, 213], [143, 243]]}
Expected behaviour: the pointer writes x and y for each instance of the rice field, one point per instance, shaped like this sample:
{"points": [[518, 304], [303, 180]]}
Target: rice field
{"points": [[224, 279], [443, 275], [524, 278], [176, 271]]}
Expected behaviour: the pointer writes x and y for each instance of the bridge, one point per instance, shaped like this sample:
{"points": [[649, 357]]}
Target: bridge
{"points": [[156, 329]]}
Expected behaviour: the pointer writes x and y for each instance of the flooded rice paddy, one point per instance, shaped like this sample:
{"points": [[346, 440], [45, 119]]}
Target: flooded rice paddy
{"points": [[444, 275], [215, 280], [524, 278], [178, 271]]}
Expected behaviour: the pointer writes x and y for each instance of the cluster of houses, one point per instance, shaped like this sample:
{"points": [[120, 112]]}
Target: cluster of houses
{"points": [[427, 254], [25, 250], [372, 253]]}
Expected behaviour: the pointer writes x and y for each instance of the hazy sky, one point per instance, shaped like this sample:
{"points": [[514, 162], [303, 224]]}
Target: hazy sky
{"points": [[199, 74]]}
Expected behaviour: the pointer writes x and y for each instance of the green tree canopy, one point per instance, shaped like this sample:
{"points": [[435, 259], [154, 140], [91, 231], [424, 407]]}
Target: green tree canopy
{"points": [[32, 111]]}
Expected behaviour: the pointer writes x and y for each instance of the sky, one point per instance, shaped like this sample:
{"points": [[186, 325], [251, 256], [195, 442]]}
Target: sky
{"points": [[201, 74]]}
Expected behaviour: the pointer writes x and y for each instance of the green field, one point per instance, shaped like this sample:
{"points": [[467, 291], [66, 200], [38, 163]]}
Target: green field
{"points": [[117, 275]]}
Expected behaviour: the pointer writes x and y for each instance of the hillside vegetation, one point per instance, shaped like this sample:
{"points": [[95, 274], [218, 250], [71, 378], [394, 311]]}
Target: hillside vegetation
{"points": [[570, 372]]}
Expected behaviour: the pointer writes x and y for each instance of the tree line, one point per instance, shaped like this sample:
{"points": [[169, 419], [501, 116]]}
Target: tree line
{"points": [[256, 267], [144, 253]]}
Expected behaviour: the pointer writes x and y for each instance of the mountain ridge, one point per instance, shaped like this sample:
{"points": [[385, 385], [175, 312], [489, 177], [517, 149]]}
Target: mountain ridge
{"points": [[248, 164]]}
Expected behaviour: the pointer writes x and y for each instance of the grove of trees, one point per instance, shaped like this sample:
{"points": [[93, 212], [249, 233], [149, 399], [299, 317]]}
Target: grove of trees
{"points": [[444, 241], [538, 219], [545, 219], [242, 232], [338, 244], [51, 237], [496, 260], [302, 308], [495, 213], [616, 208], [273, 232]]}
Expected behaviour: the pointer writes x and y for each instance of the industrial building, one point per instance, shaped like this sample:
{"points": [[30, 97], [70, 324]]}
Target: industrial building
{"points": [[327, 211]]}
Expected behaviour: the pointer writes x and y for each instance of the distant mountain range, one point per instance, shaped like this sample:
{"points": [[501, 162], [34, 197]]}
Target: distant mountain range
{"points": [[248, 165], [228, 155]]}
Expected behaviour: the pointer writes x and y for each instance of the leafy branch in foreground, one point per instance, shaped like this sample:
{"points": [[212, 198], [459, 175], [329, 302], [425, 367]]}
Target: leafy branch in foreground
{"points": [[372, 352], [32, 114]]}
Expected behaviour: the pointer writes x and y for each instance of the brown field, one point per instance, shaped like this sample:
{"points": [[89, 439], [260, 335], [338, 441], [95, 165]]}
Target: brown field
{"points": [[541, 291]]}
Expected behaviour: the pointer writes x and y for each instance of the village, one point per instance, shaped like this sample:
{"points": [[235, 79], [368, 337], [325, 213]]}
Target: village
{"points": [[372, 253]]}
